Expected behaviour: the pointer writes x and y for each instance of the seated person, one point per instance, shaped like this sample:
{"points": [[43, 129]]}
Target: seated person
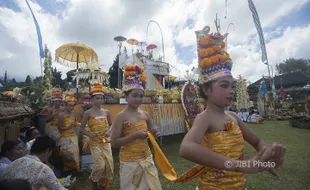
{"points": [[10, 151], [255, 118], [33, 168], [245, 115], [240, 115], [15, 184], [30, 135]]}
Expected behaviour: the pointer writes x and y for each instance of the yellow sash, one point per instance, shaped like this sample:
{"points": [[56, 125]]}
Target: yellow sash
{"points": [[232, 140]]}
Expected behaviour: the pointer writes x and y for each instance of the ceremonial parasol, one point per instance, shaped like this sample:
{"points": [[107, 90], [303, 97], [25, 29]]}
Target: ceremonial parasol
{"points": [[151, 46], [142, 44], [119, 39], [132, 41], [76, 55]]}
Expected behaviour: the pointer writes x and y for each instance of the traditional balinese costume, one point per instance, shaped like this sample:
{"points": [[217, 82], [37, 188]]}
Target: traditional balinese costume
{"points": [[51, 128], [68, 142], [214, 63], [102, 169], [137, 168]]}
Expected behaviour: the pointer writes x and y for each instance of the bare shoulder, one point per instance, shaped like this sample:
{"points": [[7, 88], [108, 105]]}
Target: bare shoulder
{"points": [[106, 111], [202, 118], [121, 115], [87, 113], [144, 113], [232, 114]]}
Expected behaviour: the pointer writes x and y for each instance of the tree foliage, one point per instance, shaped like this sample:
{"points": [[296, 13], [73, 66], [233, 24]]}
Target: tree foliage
{"points": [[28, 80], [48, 76], [294, 65]]}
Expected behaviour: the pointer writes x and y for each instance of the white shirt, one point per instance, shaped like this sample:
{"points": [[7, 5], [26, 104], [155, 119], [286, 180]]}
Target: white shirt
{"points": [[34, 171]]}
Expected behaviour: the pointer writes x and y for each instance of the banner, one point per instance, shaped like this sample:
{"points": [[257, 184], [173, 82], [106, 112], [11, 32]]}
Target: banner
{"points": [[259, 31], [38, 32]]}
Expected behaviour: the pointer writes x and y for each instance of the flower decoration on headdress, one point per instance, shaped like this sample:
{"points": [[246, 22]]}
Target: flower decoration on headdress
{"points": [[134, 78], [56, 94], [214, 61], [70, 99], [97, 88]]}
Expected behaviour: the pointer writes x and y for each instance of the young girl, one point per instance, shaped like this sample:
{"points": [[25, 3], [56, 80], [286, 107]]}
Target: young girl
{"points": [[49, 107], [68, 142], [99, 122], [137, 169], [51, 128], [216, 139]]}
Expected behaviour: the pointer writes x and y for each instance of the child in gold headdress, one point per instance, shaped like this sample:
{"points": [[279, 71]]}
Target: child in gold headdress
{"points": [[51, 128], [99, 122], [216, 139], [137, 169], [68, 142], [49, 107]]}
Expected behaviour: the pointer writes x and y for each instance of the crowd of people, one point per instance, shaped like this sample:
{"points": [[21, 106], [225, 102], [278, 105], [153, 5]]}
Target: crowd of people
{"points": [[250, 116], [215, 141]]}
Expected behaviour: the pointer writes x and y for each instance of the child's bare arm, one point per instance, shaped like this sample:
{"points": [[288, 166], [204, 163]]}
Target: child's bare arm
{"points": [[192, 150], [83, 125], [150, 126], [60, 121], [248, 134], [116, 139], [108, 133], [109, 117]]}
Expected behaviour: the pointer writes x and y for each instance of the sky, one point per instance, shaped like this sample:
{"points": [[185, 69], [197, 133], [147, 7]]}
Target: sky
{"points": [[285, 23]]}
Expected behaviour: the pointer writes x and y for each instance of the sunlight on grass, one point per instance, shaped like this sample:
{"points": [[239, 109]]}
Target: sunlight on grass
{"points": [[294, 174]]}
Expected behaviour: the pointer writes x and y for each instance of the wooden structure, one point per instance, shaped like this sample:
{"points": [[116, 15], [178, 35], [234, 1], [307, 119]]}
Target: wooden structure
{"points": [[292, 83], [14, 114]]}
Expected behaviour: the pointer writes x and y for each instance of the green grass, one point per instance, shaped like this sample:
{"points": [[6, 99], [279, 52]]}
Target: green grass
{"points": [[294, 174]]}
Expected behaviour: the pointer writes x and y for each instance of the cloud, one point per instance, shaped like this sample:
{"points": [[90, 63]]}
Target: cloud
{"points": [[293, 43], [96, 23]]}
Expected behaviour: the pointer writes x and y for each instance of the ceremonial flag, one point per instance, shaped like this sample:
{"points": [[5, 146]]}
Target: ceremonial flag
{"points": [[38, 32], [259, 31]]}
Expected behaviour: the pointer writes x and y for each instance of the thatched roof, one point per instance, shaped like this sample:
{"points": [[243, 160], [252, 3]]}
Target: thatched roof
{"points": [[10, 108]]}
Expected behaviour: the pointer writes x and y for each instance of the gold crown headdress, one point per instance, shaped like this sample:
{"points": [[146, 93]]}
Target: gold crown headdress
{"points": [[97, 88], [214, 61], [56, 94], [134, 78]]}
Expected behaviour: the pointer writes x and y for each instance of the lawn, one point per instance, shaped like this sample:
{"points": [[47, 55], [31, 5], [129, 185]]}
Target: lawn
{"points": [[294, 174]]}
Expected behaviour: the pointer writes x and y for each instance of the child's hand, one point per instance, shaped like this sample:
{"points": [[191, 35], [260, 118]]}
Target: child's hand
{"points": [[140, 135], [94, 135], [278, 157], [72, 125], [108, 133], [155, 132], [255, 164]]}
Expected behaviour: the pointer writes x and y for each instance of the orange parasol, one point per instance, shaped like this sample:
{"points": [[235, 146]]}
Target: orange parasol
{"points": [[132, 41]]}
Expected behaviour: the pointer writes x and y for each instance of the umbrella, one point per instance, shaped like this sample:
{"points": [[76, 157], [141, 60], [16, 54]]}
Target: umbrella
{"points": [[132, 41], [76, 55], [142, 44], [119, 38], [151, 46]]}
